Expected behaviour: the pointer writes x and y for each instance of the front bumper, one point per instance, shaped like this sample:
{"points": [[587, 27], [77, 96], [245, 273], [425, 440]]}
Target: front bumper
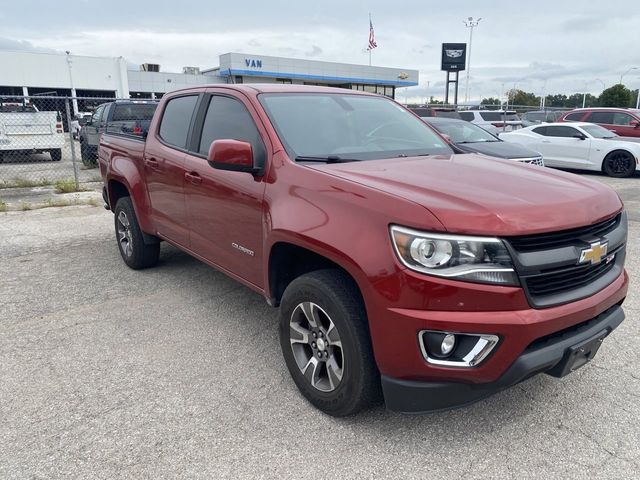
{"points": [[549, 354]]}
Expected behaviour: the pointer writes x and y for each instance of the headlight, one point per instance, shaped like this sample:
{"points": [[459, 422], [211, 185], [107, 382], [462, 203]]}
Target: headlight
{"points": [[474, 259]]}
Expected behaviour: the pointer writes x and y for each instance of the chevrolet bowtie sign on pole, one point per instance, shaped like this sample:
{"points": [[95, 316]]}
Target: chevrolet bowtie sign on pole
{"points": [[454, 57]]}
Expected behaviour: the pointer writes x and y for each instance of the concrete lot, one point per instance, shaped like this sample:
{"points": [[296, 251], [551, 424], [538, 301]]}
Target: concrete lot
{"points": [[176, 372]]}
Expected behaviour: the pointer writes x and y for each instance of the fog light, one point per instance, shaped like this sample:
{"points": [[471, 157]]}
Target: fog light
{"points": [[448, 342]]}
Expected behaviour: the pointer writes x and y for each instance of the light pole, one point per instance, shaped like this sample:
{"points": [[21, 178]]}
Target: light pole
{"points": [[622, 76], [74, 100], [470, 23]]}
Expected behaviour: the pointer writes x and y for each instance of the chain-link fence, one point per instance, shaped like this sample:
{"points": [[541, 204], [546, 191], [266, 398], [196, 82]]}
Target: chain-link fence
{"points": [[42, 140]]}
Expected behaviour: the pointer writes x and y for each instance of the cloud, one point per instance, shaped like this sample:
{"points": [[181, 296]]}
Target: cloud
{"points": [[315, 51], [24, 46]]}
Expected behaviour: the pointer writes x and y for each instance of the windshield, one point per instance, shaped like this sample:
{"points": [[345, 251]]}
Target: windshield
{"points": [[465, 132], [349, 126], [596, 131]]}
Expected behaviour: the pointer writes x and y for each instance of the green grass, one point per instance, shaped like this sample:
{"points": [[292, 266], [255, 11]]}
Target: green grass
{"points": [[25, 206], [3, 205], [25, 183], [68, 186]]}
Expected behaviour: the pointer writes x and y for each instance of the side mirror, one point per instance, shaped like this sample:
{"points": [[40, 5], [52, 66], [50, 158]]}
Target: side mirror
{"points": [[580, 136], [232, 155], [634, 123]]}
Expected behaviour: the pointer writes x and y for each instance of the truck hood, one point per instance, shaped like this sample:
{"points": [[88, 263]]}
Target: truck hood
{"points": [[476, 195]]}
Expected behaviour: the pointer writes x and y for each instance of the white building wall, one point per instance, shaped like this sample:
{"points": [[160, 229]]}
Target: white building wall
{"points": [[44, 70], [162, 82]]}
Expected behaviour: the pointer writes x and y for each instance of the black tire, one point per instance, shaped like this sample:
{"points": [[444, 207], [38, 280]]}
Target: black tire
{"points": [[339, 301], [135, 253], [619, 164], [56, 155], [85, 155]]}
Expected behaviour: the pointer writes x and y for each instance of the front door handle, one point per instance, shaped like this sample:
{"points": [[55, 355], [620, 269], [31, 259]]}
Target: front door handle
{"points": [[193, 178], [151, 162]]}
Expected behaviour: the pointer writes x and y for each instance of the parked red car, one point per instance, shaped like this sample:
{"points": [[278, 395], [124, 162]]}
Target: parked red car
{"points": [[623, 121], [401, 268]]}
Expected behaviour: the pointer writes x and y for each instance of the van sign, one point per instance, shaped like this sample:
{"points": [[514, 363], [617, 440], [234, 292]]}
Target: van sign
{"points": [[250, 62]]}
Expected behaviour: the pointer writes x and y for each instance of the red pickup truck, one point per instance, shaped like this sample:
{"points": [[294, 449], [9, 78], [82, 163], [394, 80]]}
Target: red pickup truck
{"points": [[403, 269]]}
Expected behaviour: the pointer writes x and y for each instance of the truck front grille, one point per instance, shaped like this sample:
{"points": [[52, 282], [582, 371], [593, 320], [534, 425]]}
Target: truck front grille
{"points": [[549, 267], [534, 161], [566, 279], [544, 241]]}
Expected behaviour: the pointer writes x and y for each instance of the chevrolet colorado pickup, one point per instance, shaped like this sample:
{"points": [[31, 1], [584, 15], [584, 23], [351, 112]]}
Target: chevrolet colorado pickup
{"points": [[402, 269]]}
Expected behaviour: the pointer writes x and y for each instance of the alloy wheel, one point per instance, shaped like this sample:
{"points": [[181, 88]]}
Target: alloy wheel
{"points": [[316, 345], [124, 234], [619, 163]]}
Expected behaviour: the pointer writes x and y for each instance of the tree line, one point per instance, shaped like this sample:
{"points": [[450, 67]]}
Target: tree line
{"points": [[615, 96]]}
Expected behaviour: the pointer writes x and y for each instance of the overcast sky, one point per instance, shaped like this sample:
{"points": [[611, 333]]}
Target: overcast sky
{"points": [[569, 45]]}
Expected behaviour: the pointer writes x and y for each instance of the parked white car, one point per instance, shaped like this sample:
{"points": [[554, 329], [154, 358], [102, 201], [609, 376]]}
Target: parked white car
{"points": [[493, 121], [584, 146], [25, 130]]}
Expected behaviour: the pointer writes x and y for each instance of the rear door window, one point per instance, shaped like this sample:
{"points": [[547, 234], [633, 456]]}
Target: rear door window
{"points": [[600, 117], [541, 130], [176, 120], [622, 119], [468, 116]]}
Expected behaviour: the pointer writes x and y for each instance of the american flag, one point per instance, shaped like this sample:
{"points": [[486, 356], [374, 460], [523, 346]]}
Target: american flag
{"points": [[372, 37]]}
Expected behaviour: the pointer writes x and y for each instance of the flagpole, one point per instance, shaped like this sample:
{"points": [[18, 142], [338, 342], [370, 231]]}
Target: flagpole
{"points": [[370, 34]]}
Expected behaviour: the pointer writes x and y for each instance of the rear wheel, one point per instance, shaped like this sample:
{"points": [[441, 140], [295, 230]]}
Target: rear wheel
{"points": [[619, 163], [135, 253], [325, 341], [56, 155]]}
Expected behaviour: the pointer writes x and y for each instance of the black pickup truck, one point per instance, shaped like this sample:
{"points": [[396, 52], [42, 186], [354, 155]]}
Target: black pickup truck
{"points": [[125, 117]]}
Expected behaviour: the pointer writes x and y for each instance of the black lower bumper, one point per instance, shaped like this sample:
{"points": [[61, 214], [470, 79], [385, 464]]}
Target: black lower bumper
{"points": [[551, 354]]}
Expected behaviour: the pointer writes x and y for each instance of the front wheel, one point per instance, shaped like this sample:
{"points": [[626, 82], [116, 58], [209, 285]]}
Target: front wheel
{"points": [[619, 164], [135, 253], [325, 341], [85, 155]]}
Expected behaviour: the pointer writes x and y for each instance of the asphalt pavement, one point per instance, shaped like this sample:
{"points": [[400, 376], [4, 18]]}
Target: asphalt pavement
{"points": [[176, 372]]}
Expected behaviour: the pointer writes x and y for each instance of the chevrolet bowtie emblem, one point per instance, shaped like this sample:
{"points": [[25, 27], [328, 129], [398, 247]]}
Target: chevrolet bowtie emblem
{"points": [[594, 254]]}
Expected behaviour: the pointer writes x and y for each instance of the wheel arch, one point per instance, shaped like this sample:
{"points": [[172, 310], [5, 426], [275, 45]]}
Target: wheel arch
{"points": [[287, 260]]}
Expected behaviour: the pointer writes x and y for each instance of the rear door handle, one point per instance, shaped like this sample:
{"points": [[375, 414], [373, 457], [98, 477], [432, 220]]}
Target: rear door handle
{"points": [[193, 178]]}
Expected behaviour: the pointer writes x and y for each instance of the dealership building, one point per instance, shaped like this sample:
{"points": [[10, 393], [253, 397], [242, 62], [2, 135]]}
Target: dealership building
{"points": [[37, 74]]}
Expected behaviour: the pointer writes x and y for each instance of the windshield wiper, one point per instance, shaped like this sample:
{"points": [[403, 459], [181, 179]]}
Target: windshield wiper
{"points": [[327, 159]]}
